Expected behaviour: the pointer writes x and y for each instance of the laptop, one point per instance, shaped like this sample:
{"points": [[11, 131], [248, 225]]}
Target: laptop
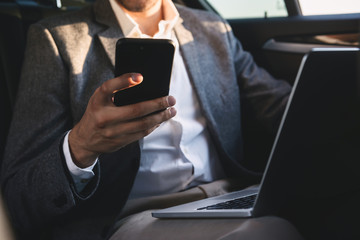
{"points": [[316, 151]]}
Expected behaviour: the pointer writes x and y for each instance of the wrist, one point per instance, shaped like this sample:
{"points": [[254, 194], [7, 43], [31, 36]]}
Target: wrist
{"points": [[81, 157]]}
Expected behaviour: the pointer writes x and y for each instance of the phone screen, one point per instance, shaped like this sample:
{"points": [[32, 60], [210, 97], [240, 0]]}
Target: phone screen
{"points": [[153, 58]]}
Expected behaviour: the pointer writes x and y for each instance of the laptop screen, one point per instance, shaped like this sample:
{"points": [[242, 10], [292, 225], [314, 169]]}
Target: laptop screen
{"points": [[316, 153]]}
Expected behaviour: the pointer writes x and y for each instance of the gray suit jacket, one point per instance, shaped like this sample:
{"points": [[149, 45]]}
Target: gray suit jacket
{"points": [[67, 58]]}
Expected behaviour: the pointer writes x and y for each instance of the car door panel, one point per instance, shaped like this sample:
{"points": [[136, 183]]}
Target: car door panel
{"points": [[279, 44]]}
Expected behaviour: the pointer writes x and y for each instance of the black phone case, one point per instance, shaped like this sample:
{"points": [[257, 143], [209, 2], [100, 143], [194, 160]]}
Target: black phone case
{"points": [[153, 58]]}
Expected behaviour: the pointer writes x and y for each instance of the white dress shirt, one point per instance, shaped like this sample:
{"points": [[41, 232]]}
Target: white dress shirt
{"points": [[178, 154]]}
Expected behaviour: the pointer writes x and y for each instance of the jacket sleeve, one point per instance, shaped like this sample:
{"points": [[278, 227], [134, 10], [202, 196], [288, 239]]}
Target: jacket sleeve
{"points": [[35, 182], [263, 97]]}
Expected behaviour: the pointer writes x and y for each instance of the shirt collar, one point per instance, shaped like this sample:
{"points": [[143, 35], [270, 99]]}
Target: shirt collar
{"points": [[131, 29]]}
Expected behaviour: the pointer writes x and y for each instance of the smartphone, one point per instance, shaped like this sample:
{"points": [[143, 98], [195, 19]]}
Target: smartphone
{"points": [[153, 58]]}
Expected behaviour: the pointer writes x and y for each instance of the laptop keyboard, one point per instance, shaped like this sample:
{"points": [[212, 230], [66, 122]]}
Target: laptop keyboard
{"points": [[238, 203]]}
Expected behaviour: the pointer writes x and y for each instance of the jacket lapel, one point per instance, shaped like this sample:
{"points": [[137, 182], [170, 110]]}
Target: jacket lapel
{"points": [[192, 55], [112, 31], [220, 105]]}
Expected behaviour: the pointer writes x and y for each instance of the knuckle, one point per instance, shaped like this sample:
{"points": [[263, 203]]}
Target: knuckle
{"points": [[107, 133], [166, 114], [100, 121], [146, 132], [146, 123], [104, 89], [163, 103]]}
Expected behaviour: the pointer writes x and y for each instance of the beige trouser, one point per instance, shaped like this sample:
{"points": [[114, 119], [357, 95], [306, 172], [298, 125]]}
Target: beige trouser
{"points": [[137, 223]]}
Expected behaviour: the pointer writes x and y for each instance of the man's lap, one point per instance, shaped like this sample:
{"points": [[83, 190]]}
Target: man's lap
{"points": [[144, 226], [136, 221]]}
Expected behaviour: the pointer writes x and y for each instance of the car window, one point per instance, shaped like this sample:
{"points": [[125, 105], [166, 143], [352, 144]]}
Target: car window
{"points": [[56, 3], [321, 7], [249, 9]]}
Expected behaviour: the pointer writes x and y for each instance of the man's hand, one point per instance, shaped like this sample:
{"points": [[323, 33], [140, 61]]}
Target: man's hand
{"points": [[105, 127]]}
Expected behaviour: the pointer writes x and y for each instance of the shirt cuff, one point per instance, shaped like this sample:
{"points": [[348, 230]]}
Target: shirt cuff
{"points": [[80, 176]]}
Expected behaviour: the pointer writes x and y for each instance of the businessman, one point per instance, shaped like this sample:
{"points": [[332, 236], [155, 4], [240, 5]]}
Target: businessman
{"points": [[75, 164]]}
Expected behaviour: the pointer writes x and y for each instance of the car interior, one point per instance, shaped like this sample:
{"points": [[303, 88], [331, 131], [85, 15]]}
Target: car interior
{"points": [[277, 44]]}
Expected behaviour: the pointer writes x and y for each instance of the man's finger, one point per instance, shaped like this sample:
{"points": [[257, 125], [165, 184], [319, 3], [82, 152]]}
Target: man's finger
{"points": [[140, 124], [141, 109], [127, 80], [112, 116], [133, 80]]}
